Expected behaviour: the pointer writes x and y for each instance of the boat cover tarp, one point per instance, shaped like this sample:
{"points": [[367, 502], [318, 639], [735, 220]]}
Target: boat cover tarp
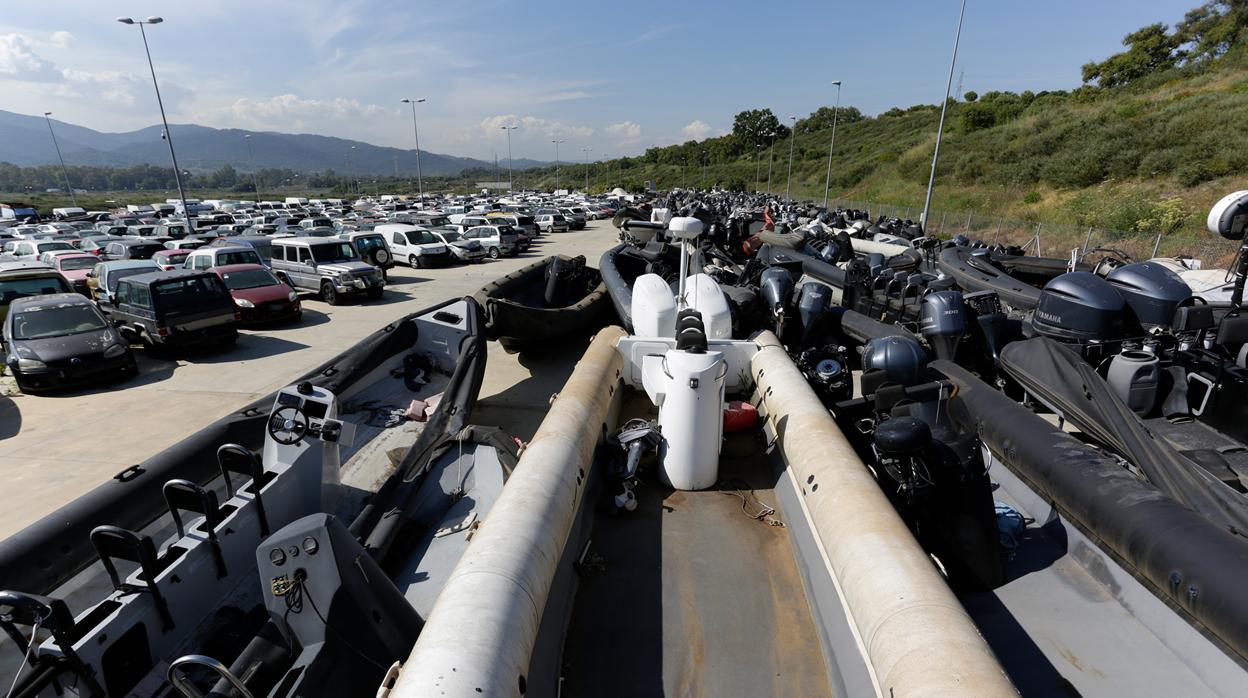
{"points": [[1061, 379], [517, 315], [1189, 561], [45, 554], [975, 275]]}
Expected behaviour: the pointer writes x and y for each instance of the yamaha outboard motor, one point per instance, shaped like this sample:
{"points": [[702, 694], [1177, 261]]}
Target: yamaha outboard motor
{"points": [[991, 318], [1152, 292], [813, 302], [1078, 307], [776, 288], [900, 360], [943, 322]]}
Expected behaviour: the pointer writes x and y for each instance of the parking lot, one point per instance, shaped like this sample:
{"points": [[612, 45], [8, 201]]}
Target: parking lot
{"points": [[56, 447]]}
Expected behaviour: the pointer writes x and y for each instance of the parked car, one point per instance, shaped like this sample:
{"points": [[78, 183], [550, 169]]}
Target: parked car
{"points": [[576, 220], [49, 256], [523, 223], [372, 247], [141, 231], [31, 249], [329, 267], [62, 338], [186, 244], [258, 294], [461, 249], [96, 245], [552, 223], [175, 230], [168, 260], [28, 278], [262, 244], [211, 256], [75, 267], [414, 245], [131, 249], [102, 280], [498, 240], [175, 309]]}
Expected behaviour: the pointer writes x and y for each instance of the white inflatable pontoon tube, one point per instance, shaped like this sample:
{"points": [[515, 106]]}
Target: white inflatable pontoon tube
{"points": [[868, 246], [480, 635], [918, 638]]}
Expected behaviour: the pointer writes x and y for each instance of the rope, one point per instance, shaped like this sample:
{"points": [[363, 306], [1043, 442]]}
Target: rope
{"points": [[30, 648], [764, 512]]}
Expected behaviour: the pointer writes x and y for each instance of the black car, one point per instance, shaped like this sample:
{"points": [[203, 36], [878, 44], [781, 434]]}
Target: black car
{"points": [[132, 249], [61, 339], [175, 309]]}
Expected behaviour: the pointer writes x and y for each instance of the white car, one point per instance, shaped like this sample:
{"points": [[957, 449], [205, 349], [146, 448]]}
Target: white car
{"points": [[463, 250], [414, 245]]}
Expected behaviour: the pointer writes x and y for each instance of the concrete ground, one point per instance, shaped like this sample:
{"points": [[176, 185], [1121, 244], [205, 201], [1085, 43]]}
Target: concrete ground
{"points": [[57, 447]]}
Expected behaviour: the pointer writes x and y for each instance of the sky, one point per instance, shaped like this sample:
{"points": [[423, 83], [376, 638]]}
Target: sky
{"points": [[613, 77]]}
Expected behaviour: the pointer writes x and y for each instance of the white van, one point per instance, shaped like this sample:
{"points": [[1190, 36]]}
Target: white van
{"points": [[296, 201], [68, 212], [414, 245]]}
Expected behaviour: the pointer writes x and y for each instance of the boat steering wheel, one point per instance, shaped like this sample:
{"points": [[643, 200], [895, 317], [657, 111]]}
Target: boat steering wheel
{"points": [[287, 425]]}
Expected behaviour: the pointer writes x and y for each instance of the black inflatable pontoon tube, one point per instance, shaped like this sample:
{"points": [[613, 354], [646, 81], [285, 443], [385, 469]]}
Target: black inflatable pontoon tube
{"points": [[1188, 561], [864, 329]]}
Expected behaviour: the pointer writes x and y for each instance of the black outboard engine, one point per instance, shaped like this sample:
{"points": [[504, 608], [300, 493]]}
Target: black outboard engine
{"points": [[1152, 292], [813, 301], [943, 322], [776, 288], [1078, 307], [991, 319], [899, 360]]}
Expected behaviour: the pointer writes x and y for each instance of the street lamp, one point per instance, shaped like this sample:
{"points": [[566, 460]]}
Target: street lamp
{"points": [[419, 181], [255, 182], [557, 142], [940, 130], [350, 179], [64, 170], [168, 135], [510, 180], [587, 152], [792, 141], [771, 148], [836, 112], [758, 164]]}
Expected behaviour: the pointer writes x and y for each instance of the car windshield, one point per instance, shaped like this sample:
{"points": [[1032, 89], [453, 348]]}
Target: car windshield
{"points": [[51, 246], [117, 275], [187, 294], [369, 243], [340, 252], [451, 237], [76, 263], [439, 221], [12, 289], [237, 257], [57, 322], [248, 278]]}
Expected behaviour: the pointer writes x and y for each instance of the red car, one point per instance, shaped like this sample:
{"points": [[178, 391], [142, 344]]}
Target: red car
{"points": [[258, 295], [75, 267], [170, 259]]}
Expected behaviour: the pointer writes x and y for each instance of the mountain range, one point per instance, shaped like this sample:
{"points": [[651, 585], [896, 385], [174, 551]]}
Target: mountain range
{"points": [[24, 141]]}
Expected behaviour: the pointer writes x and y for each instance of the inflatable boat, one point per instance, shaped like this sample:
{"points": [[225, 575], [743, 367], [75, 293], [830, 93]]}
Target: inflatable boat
{"points": [[543, 302]]}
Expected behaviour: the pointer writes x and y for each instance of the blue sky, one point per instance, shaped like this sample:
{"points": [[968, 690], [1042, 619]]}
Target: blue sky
{"points": [[615, 77]]}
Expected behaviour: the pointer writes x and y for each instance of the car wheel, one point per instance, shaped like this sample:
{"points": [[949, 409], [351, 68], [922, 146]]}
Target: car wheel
{"points": [[375, 293], [413, 262], [494, 253], [328, 294]]}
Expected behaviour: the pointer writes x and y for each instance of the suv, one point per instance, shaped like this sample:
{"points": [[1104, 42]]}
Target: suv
{"points": [[102, 280], [174, 308], [552, 223], [372, 247], [326, 266], [28, 278], [498, 240], [206, 257], [522, 222], [415, 245]]}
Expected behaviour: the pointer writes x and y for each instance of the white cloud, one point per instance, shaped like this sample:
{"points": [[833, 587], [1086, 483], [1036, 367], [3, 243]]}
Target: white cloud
{"points": [[19, 60], [627, 130], [532, 124], [698, 130], [61, 39], [289, 111], [112, 86]]}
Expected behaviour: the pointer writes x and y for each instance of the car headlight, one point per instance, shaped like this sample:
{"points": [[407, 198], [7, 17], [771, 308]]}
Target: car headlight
{"points": [[292, 296], [30, 365], [244, 303], [114, 351]]}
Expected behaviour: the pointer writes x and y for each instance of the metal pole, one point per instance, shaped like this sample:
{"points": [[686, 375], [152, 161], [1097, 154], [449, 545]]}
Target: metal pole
{"points": [[1087, 240], [557, 142], [940, 130], [836, 112], [968, 224], [788, 185], [758, 164], [64, 170], [770, 149], [942, 222], [168, 136], [1156, 244], [1037, 239], [255, 182], [997, 237], [510, 179], [586, 151], [420, 182]]}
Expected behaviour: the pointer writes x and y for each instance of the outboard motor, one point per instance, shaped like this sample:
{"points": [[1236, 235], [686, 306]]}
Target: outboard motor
{"points": [[900, 443], [1152, 292], [899, 360], [991, 319], [813, 302], [943, 322], [776, 288], [1079, 306]]}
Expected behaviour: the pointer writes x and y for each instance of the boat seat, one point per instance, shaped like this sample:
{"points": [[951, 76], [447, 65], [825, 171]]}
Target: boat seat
{"points": [[235, 459], [113, 542], [18, 608], [1232, 336], [184, 495]]}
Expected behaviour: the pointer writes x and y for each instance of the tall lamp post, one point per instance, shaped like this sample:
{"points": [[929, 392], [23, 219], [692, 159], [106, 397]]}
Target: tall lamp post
{"points": [[350, 174], [758, 164], [940, 130], [420, 184], [587, 151], [255, 181], [836, 112], [557, 142], [771, 148], [47, 116], [788, 185], [168, 136], [511, 184]]}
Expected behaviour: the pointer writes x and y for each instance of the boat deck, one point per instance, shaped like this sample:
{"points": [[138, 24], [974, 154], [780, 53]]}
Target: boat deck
{"points": [[690, 596]]}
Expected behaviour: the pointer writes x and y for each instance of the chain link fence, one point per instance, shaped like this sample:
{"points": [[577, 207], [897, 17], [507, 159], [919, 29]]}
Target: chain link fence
{"points": [[1056, 239]]}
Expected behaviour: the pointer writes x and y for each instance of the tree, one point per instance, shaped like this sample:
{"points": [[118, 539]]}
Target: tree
{"points": [[971, 96], [758, 127], [821, 119], [1149, 50], [1213, 28]]}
